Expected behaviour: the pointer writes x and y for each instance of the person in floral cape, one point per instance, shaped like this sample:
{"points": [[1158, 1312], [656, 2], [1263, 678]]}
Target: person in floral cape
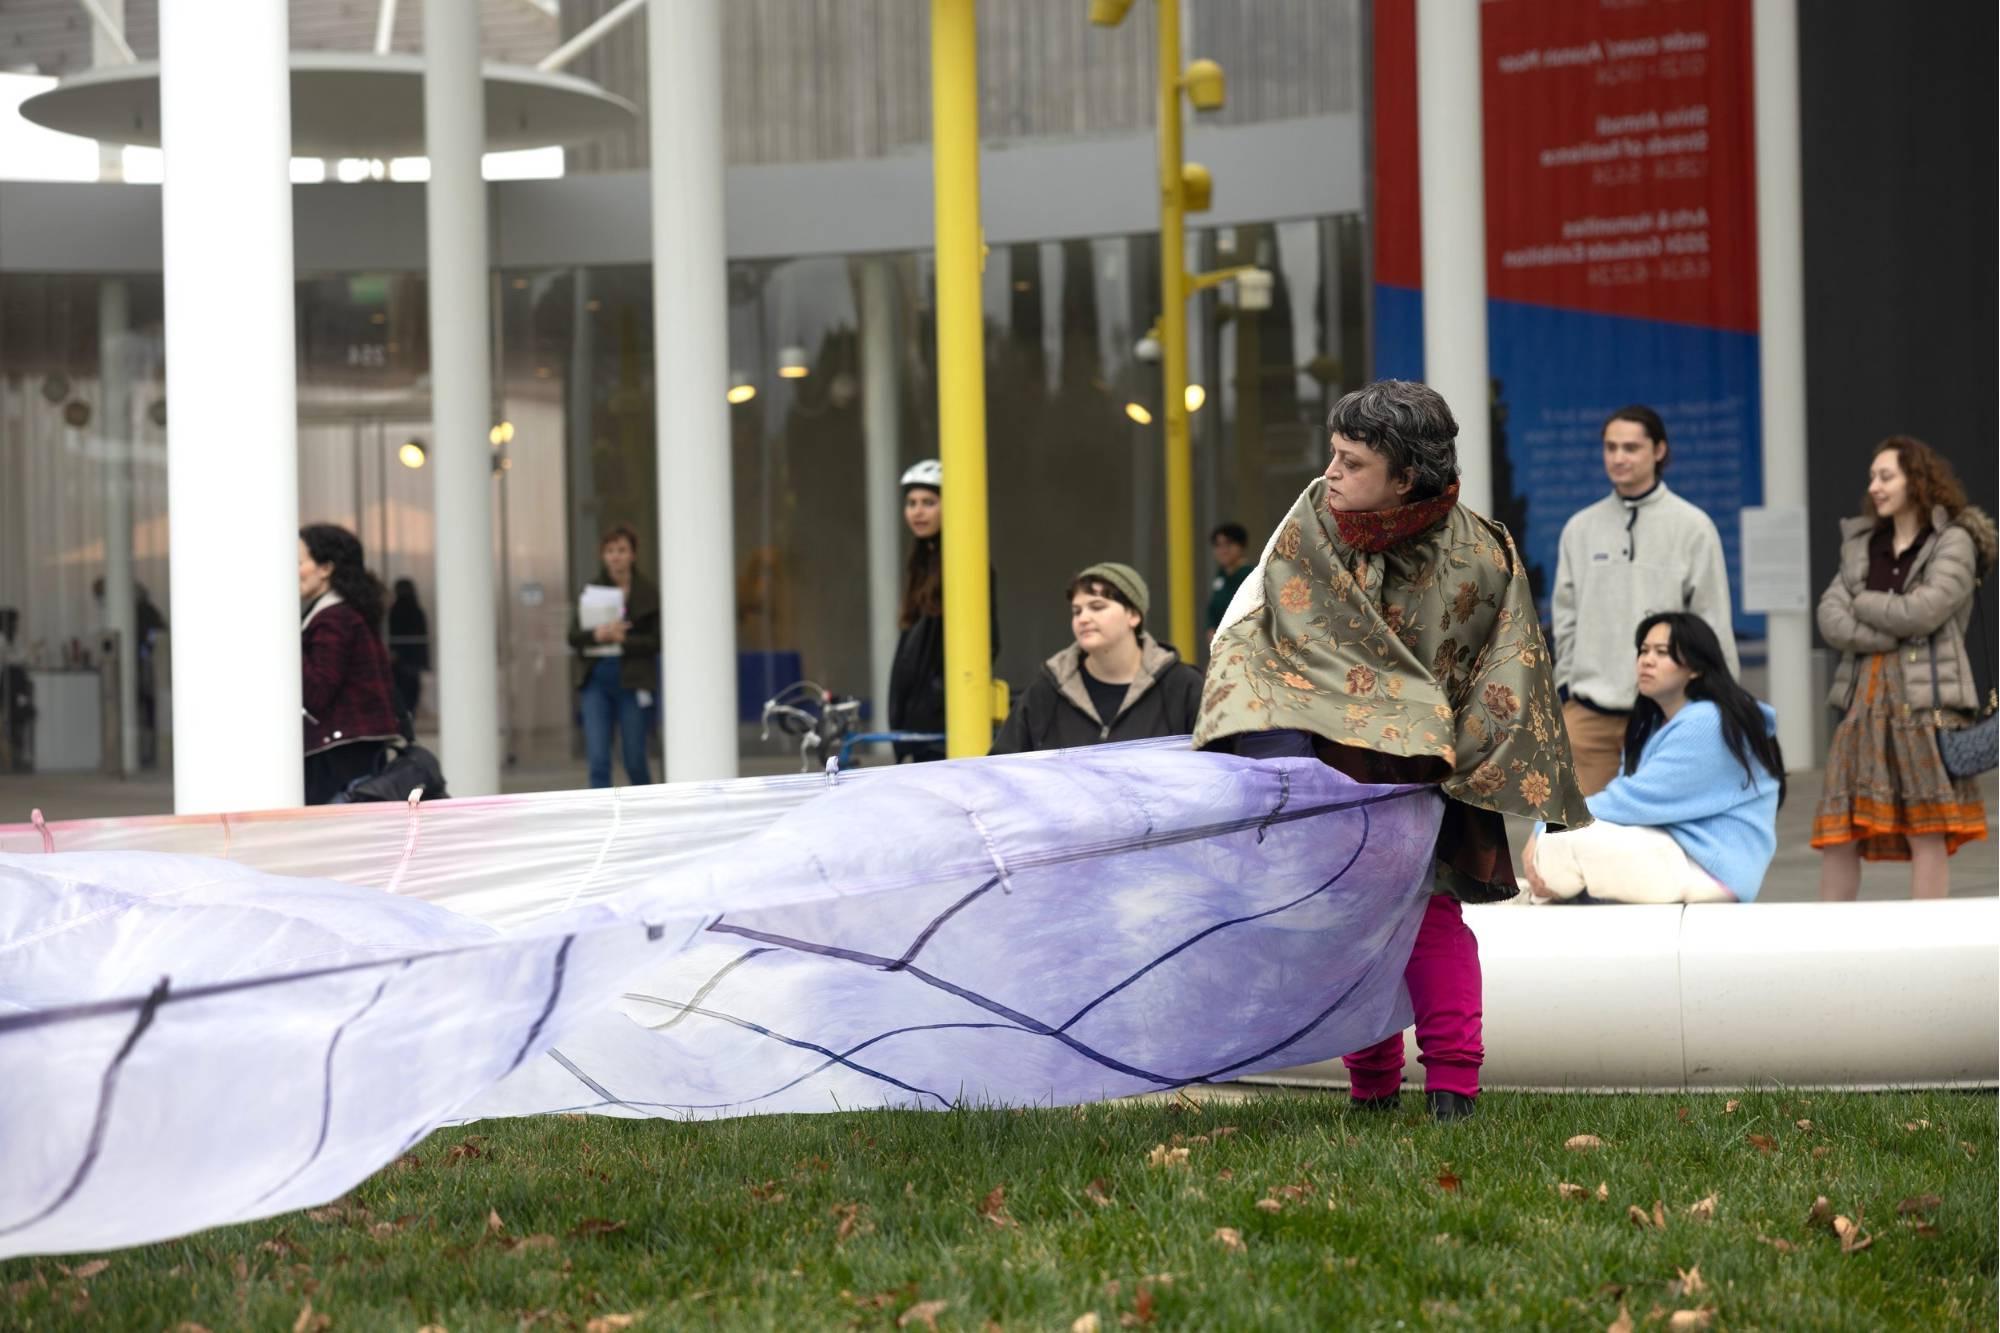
{"points": [[1391, 631]]}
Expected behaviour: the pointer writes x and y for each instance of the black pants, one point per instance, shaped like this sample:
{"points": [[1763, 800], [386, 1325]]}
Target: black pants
{"points": [[329, 771]]}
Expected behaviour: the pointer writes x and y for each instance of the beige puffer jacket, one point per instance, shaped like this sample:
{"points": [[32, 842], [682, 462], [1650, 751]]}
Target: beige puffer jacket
{"points": [[1933, 609]]}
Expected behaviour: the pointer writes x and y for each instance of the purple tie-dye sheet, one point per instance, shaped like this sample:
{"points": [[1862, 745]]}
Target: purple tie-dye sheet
{"points": [[191, 1042]]}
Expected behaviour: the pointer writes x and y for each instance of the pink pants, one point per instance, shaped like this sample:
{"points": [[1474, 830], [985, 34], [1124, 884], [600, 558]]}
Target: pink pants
{"points": [[1443, 977]]}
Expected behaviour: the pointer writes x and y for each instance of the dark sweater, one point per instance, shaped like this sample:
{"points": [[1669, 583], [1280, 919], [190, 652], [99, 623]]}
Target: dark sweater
{"points": [[639, 664], [1056, 712]]}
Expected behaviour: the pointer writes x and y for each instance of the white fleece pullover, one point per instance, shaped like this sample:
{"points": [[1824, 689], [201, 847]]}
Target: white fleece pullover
{"points": [[1621, 560]]}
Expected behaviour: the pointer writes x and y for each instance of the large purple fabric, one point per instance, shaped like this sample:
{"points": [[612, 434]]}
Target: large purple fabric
{"points": [[189, 1042]]}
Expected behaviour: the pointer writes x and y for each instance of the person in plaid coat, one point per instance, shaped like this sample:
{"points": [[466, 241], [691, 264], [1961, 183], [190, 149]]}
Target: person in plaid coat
{"points": [[348, 691]]}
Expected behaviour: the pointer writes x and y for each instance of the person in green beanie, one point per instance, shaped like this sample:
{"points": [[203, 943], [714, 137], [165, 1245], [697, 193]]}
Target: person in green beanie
{"points": [[1114, 683]]}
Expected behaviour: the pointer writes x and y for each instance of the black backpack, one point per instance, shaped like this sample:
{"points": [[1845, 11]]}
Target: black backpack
{"points": [[399, 770]]}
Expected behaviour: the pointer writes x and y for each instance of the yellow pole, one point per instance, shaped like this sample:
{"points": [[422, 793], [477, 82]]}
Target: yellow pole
{"points": [[1174, 340], [968, 643]]}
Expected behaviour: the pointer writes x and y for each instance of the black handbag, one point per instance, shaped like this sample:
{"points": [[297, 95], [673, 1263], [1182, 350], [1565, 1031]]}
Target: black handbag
{"points": [[1969, 751]]}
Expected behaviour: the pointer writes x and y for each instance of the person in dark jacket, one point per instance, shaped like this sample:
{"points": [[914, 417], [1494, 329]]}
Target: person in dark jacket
{"points": [[1115, 683], [409, 646], [617, 665], [348, 692]]}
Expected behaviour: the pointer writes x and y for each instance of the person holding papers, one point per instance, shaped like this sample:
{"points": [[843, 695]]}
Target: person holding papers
{"points": [[615, 635]]}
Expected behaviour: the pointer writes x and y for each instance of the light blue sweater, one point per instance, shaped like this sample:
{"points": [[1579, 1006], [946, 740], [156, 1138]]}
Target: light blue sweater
{"points": [[1691, 787]]}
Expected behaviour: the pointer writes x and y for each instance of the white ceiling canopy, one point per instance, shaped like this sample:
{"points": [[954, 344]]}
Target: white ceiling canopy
{"points": [[347, 104]]}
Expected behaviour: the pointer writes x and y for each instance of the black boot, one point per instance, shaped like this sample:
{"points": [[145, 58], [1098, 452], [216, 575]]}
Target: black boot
{"points": [[1450, 1105], [1380, 1105]]}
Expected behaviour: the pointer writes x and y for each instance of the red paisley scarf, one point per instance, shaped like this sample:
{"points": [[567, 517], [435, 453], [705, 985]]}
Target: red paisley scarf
{"points": [[1379, 529]]}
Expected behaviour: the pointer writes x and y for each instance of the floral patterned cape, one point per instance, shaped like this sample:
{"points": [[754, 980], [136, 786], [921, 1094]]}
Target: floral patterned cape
{"points": [[1428, 650]]}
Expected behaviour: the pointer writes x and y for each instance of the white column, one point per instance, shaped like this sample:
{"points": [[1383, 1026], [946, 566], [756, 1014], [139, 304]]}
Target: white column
{"points": [[1781, 302], [232, 450], [121, 607], [881, 420], [104, 50], [691, 379], [466, 648], [1451, 172]]}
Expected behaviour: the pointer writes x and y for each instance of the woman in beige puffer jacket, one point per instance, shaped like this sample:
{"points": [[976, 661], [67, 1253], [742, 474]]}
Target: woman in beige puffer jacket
{"points": [[1898, 612]]}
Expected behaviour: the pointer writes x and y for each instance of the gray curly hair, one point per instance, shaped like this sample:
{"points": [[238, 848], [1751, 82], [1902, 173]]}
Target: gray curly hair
{"points": [[1407, 423]]}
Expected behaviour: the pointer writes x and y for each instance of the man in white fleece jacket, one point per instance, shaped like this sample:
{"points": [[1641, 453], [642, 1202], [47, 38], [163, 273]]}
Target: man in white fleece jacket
{"points": [[1639, 550]]}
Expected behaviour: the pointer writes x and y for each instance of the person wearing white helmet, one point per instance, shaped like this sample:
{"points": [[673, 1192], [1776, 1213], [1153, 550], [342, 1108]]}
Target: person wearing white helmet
{"points": [[916, 677]]}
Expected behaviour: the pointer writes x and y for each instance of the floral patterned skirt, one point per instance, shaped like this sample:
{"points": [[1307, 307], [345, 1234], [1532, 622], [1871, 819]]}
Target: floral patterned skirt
{"points": [[1885, 782]]}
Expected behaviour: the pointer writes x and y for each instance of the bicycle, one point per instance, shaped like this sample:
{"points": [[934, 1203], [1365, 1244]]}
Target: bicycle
{"points": [[825, 724]]}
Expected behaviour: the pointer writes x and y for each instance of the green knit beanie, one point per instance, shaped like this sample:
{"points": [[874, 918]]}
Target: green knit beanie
{"points": [[1124, 578]]}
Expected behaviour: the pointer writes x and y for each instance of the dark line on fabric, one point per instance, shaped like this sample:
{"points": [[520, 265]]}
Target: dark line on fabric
{"points": [[972, 997], [924, 936], [326, 1093], [1284, 799], [587, 1080], [107, 1088], [801, 1044], [1192, 940], [701, 993], [548, 1006]]}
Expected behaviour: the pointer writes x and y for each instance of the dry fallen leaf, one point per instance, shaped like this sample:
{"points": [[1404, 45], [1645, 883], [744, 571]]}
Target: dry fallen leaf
{"points": [[850, 1222], [1729, 1107], [1269, 1206], [1821, 1212], [1639, 1217], [1225, 1174], [1448, 1182], [1853, 1239], [1821, 1151], [1763, 1143], [308, 1322], [541, 1240], [440, 1328], [1914, 1125], [1569, 1191], [1922, 1203], [596, 1226], [1222, 1131], [1162, 1155], [84, 1272], [1682, 1114], [1230, 1238], [923, 1312], [1086, 1322], [1781, 1246], [1603, 1192], [610, 1323], [1805, 1126], [1623, 1323], [1098, 1192], [1703, 1210], [1688, 1282], [994, 1208], [1582, 1142], [494, 1226], [1690, 1319]]}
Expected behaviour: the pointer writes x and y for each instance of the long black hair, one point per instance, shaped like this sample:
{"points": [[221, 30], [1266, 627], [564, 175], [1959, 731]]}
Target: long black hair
{"points": [[1693, 644], [331, 544]]}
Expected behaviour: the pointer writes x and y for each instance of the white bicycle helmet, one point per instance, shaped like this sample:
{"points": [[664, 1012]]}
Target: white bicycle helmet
{"points": [[929, 473]]}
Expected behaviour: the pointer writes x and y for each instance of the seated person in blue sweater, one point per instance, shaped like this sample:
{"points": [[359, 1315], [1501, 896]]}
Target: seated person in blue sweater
{"points": [[1692, 816]]}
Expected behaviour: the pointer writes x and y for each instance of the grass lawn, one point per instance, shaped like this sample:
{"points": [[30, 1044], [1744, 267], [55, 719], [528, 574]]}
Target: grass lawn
{"points": [[1283, 1211]]}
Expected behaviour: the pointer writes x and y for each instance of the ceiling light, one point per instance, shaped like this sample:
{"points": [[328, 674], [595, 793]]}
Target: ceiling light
{"points": [[411, 455], [1196, 396], [1138, 413]]}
